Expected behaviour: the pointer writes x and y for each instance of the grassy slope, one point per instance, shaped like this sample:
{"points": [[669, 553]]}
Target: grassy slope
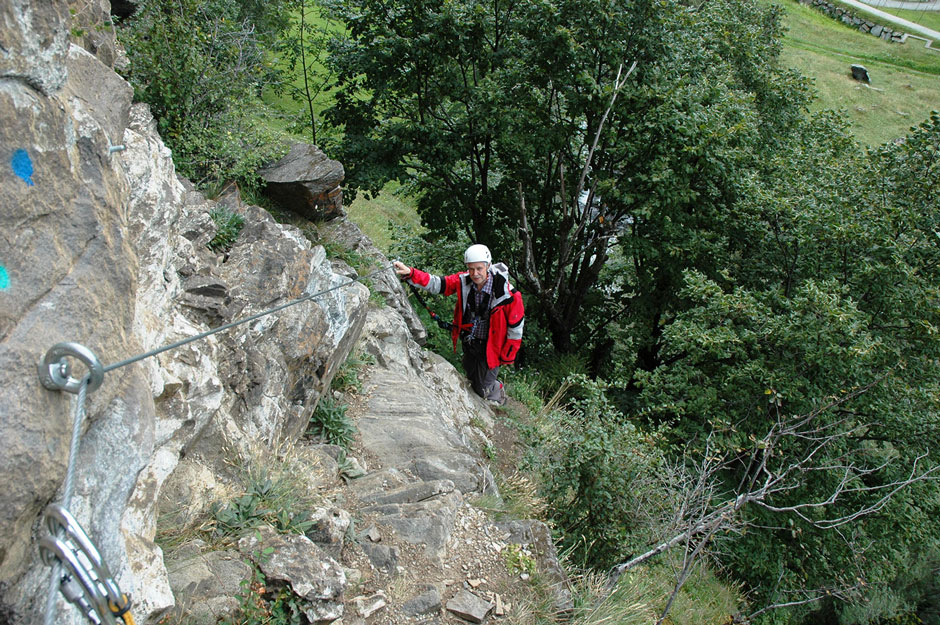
{"points": [[905, 78]]}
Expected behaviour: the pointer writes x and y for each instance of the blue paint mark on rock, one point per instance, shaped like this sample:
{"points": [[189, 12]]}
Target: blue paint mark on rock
{"points": [[4, 278], [23, 166]]}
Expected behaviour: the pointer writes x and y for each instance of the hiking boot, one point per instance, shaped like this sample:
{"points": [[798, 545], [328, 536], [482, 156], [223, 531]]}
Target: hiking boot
{"points": [[500, 399]]}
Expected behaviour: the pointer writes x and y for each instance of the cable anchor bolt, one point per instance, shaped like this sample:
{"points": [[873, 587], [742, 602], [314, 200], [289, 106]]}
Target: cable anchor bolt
{"points": [[55, 370]]}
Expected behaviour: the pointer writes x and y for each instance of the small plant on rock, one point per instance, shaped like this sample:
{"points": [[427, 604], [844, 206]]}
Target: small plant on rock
{"points": [[266, 501], [331, 423], [230, 224], [347, 379], [519, 560], [260, 603]]}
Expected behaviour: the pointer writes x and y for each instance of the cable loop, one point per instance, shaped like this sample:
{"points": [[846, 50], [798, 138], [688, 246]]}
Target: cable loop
{"points": [[55, 369]]}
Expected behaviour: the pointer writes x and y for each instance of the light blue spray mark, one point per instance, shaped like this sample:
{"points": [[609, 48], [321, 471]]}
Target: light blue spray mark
{"points": [[4, 278], [23, 166]]}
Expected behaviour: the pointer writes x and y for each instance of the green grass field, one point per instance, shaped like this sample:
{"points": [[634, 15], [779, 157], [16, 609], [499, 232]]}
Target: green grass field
{"points": [[374, 216], [905, 78]]}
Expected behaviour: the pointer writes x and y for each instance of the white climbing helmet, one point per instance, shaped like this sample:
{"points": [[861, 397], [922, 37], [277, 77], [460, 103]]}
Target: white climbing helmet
{"points": [[477, 254]]}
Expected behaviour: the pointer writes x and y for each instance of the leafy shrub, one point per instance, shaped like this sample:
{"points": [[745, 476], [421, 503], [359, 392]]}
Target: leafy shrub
{"points": [[347, 379], [262, 603], [199, 66], [523, 387], [441, 256], [600, 476], [331, 423], [229, 224]]}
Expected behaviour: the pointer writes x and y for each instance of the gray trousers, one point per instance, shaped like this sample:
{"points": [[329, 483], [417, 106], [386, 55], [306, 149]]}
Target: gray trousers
{"points": [[483, 379]]}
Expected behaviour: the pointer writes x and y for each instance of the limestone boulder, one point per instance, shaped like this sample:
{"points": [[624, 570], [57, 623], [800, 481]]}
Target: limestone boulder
{"points": [[306, 182]]}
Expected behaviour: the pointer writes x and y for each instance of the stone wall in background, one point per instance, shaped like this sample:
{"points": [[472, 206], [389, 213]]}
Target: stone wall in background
{"points": [[851, 19]]}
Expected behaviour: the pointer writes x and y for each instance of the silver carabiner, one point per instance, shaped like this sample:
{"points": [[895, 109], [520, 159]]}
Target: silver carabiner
{"points": [[55, 369], [76, 583], [70, 545]]}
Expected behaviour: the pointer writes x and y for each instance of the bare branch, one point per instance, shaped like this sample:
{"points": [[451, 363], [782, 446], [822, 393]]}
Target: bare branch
{"points": [[529, 256]]}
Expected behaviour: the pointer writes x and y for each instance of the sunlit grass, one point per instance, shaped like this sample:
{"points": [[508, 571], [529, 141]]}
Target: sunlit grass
{"points": [[905, 78], [373, 214]]}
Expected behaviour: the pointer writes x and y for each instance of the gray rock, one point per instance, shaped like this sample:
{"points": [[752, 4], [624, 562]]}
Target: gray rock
{"points": [[367, 606], [388, 478], [469, 606], [205, 584], [296, 560], [465, 471], [859, 73], [538, 538], [35, 43], [428, 523], [209, 296], [386, 283], [428, 602], [876, 31], [406, 422], [323, 468], [306, 182], [411, 493], [352, 469], [329, 529], [382, 557]]}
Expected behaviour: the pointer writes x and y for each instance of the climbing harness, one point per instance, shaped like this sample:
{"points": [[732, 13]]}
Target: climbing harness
{"points": [[78, 570], [466, 329]]}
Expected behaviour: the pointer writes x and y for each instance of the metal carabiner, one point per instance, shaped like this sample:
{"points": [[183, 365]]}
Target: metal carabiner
{"points": [[55, 369], [84, 561], [76, 583]]}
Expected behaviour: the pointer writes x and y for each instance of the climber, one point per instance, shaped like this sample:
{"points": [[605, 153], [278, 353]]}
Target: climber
{"points": [[488, 316]]}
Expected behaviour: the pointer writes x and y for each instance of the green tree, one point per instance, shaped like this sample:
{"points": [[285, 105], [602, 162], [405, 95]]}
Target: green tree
{"points": [[200, 66], [517, 123], [831, 315]]}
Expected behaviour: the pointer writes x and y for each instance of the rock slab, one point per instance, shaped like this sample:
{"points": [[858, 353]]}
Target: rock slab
{"points": [[469, 606]]}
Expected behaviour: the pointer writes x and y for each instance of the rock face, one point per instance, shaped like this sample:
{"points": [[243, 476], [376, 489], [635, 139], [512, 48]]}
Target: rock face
{"points": [[386, 283], [107, 248], [306, 182]]}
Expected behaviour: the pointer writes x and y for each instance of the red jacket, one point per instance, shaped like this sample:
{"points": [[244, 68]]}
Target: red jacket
{"points": [[507, 314]]}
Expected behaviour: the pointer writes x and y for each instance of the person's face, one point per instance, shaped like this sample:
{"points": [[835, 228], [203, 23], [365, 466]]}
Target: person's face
{"points": [[477, 273]]}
